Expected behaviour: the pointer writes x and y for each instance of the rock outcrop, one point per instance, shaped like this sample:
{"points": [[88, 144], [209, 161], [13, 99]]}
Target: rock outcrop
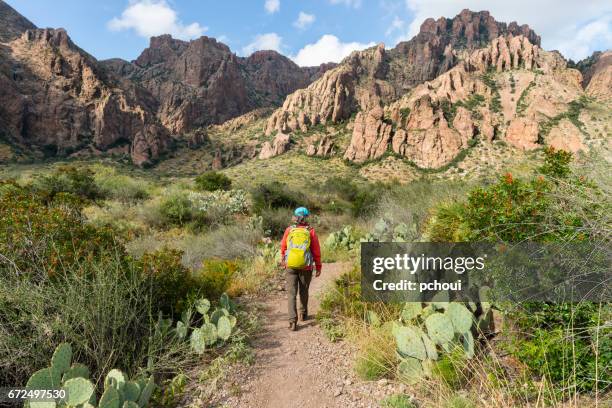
{"points": [[598, 77], [376, 76], [13, 23], [279, 145], [56, 97], [523, 133], [201, 82], [324, 148]]}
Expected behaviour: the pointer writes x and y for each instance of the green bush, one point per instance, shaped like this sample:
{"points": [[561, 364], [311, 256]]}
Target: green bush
{"points": [[67, 179], [275, 221], [397, 401], [213, 181], [105, 308], [277, 195], [120, 187], [170, 280], [215, 276], [40, 234], [176, 209]]}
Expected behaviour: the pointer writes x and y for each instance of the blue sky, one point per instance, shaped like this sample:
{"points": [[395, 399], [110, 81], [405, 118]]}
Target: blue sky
{"points": [[308, 31]]}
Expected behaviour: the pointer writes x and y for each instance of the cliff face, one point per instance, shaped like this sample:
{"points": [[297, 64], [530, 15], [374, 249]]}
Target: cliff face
{"points": [[376, 77], [56, 97], [202, 82], [506, 90]]}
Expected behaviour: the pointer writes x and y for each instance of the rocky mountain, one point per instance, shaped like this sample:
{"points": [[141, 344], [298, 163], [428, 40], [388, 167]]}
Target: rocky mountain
{"points": [[377, 76], [201, 82], [56, 98], [459, 82], [597, 74]]}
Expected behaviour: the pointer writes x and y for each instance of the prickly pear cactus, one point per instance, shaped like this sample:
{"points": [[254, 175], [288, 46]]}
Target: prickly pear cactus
{"points": [[440, 328], [224, 328], [460, 317], [202, 306], [411, 311], [409, 342], [61, 358], [410, 370], [78, 391], [77, 370]]}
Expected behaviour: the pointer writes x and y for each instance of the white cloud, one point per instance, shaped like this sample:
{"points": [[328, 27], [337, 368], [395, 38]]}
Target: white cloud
{"points": [[576, 28], [396, 25], [272, 6], [350, 3], [154, 17], [327, 49], [269, 41], [304, 20]]}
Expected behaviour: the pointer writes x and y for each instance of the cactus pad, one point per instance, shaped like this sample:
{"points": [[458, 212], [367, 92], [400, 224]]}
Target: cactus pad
{"points": [[198, 344], [202, 306], [372, 318], [409, 343], [468, 344], [61, 358], [224, 328], [110, 399], [131, 391], [114, 378], [440, 328], [410, 370], [181, 330], [411, 311], [46, 378], [430, 347], [460, 316], [147, 391], [440, 300], [78, 391], [77, 370]]}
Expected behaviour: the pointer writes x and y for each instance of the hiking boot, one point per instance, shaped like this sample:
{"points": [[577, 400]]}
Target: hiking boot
{"points": [[293, 326], [303, 317]]}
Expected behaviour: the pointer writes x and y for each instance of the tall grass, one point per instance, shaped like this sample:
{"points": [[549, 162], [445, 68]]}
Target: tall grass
{"points": [[105, 310]]}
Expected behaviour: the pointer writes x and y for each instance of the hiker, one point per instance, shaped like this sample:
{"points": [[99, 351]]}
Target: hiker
{"points": [[300, 251]]}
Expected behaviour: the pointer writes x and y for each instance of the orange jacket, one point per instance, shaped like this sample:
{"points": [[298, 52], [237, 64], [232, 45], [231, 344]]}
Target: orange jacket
{"points": [[315, 248]]}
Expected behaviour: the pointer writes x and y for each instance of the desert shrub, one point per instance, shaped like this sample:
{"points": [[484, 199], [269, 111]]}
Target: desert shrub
{"points": [[38, 234], [275, 221], [215, 276], [225, 242], [360, 199], [213, 181], [277, 195], [557, 342], [556, 163], [170, 280], [120, 187], [104, 308], [176, 209], [67, 179], [217, 208]]}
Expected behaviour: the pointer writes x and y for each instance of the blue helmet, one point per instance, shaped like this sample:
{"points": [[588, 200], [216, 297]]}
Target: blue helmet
{"points": [[301, 212]]}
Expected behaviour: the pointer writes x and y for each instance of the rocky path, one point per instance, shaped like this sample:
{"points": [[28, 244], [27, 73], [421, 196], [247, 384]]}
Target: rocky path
{"points": [[300, 369]]}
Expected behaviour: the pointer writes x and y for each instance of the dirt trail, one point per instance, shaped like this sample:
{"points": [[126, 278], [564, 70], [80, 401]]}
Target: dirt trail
{"points": [[299, 369]]}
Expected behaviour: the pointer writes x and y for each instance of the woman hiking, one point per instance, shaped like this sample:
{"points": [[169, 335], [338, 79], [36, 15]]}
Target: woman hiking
{"points": [[300, 252]]}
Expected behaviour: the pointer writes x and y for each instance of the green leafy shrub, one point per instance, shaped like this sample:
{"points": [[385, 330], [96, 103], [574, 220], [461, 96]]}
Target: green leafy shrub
{"points": [[38, 234], [67, 179], [215, 276], [176, 209], [120, 187], [556, 163], [277, 195], [275, 221], [170, 280], [213, 181]]}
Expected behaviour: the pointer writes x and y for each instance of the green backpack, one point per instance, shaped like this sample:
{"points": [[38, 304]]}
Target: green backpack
{"points": [[298, 254]]}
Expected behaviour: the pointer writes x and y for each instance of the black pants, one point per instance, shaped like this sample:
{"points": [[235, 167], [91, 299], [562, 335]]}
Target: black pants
{"points": [[297, 282]]}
